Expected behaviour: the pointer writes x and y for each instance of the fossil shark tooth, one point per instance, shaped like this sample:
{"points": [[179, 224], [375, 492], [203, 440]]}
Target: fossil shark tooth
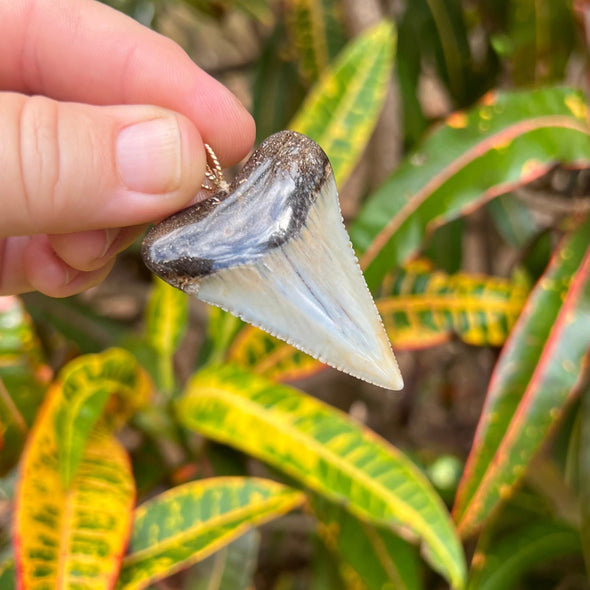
{"points": [[273, 250]]}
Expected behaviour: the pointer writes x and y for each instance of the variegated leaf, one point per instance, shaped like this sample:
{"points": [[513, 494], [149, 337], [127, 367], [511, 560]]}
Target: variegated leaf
{"points": [[316, 33], [190, 522], [83, 389], [266, 355], [421, 309], [327, 452], [509, 139], [539, 370], [24, 377], [341, 110], [166, 320], [71, 539]]}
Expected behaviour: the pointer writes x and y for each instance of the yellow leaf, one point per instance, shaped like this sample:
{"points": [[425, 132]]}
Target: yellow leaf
{"points": [[75, 538]]}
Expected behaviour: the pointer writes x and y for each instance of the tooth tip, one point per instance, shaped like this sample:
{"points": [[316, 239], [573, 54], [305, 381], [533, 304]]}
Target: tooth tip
{"points": [[397, 383], [386, 374]]}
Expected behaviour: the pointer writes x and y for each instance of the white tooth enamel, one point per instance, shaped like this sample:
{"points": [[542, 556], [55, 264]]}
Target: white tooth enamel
{"points": [[311, 293]]}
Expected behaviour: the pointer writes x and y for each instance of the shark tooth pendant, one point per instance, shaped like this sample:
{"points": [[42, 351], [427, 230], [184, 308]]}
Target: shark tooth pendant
{"points": [[272, 249]]}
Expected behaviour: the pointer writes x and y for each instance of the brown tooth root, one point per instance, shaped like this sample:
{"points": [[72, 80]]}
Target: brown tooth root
{"points": [[272, 249]]}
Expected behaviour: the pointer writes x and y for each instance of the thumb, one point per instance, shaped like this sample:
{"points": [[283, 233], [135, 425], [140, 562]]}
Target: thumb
{"points": [[71, 167]]}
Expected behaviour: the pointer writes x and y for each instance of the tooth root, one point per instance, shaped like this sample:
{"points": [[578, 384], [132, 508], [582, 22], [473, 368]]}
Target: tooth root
{"points": [[311, 293]]}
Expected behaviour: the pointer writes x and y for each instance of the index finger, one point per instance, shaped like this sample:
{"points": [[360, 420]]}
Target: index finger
{"points": [[84, 51]]}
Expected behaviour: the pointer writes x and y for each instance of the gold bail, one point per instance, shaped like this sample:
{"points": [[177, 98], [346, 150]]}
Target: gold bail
{"points": [[214, 174]]}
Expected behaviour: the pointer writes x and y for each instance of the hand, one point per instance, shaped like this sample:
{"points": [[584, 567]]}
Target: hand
{"points": [[103, 123]]}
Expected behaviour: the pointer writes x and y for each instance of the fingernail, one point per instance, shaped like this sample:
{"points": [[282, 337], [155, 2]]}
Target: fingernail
{"points": [[69, 274], [149, 156], [110, 235]]}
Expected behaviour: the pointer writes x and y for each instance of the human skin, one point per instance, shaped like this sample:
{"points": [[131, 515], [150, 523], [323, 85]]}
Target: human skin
{"points": [[103, 123]]}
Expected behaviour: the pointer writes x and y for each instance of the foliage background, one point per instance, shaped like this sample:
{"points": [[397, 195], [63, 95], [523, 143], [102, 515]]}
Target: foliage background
{"points": [[472, 143]]}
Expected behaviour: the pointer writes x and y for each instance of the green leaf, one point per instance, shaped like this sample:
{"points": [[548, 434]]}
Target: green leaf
{"points": [[166, 320], [502, 565], [509, 139], [190, 522], [7, 575], [150, 469], [325, 572], [445, 246], [537, 373], [426, 308], [71, 538], [24, 377], [341, 110], [230, 568], [83, 389], [374, 554], [408, 72], [326, 451], [513, 220], [316, 33]]}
